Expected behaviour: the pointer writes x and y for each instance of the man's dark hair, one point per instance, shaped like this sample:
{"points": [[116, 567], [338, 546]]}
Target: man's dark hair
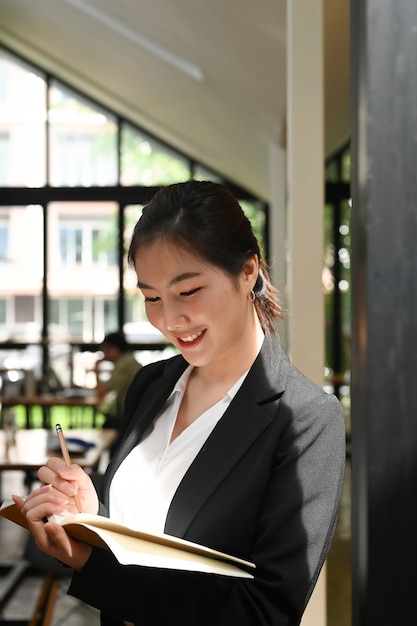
{"points": [[116, 340]]}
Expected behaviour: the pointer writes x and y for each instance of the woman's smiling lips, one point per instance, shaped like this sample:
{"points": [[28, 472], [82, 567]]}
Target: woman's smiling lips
{"points": [[190, 340]]}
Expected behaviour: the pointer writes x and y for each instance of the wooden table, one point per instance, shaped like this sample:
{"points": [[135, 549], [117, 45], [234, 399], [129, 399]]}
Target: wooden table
{"points": [[47, 402]]}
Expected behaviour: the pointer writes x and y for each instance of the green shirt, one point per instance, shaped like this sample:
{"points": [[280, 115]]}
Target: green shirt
{"points": [[121, 376]]}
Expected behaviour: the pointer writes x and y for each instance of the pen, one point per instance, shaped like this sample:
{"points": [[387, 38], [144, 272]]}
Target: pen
{"points": [[66, 457]]}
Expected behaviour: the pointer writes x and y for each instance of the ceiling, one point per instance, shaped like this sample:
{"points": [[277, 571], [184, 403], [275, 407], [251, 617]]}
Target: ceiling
{"points": [[207, 77]]}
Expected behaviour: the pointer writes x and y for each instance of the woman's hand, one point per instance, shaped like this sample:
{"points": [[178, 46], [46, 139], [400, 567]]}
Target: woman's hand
{"points": [[68, 481], [49, 536], [53, 498]]}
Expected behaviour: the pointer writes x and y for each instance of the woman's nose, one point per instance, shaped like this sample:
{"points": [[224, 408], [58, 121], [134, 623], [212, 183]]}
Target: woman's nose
{"points": [[174, 319]]}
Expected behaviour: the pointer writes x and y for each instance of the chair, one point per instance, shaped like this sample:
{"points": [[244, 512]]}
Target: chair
{"points": [[33, 559], [53, 575]]}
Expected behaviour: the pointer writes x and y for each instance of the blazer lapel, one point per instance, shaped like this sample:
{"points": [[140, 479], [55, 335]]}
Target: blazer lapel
{"points": [[250, 412], [148, 407]]}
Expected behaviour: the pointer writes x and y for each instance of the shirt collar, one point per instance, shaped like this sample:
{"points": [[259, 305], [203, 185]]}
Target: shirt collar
{"points": [[181, 384]]}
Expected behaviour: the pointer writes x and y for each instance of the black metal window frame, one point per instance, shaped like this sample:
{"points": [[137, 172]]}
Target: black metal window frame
{"points": [[121, 195]]}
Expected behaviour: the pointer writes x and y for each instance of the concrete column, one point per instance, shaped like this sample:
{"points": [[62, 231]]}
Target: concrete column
{"points": [[278, 243], [305, 200], [384, 325], [305, 185]]}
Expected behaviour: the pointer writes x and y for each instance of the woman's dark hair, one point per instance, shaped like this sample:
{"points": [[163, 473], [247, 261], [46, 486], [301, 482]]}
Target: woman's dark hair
{"points": [[205, 218]]}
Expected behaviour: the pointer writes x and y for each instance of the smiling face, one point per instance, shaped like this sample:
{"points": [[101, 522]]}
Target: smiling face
{"points": [[199, 308]]}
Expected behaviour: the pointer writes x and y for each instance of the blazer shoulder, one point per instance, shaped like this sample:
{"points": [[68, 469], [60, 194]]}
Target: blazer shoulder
{"points": [[166, 369], [311, 404]]}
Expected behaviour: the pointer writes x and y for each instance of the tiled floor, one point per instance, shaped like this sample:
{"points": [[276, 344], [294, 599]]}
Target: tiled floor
{"points": [[70, 612]]}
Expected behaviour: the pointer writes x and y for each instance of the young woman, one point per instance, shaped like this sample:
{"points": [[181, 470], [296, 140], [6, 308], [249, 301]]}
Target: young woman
{"points": [[227, 444]]}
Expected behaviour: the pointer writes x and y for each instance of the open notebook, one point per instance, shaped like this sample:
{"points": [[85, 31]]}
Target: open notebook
{"points": [[135, 547]]}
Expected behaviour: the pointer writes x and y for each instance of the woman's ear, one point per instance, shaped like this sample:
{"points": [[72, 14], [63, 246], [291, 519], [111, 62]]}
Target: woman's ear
{"points": [[250, 272]]}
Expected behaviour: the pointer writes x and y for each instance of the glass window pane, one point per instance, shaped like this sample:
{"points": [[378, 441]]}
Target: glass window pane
{"points": [[83, 141], [4, 237], [328, 284], [21, 271], [332, 171], [3, 308], [83, 274], [346, 166], [145, 161], [77, 315], [255, 213], [53, 311], [111, 322], [22, 268], [345, 283], [136, 327], [202, 173], [134, 307], [22, 124]]}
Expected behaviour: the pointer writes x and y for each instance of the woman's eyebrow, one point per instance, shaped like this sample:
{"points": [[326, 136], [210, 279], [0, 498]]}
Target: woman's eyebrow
{"points": [[174, 281]]}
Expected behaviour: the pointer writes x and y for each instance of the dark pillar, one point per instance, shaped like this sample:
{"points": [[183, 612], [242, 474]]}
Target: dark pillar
{"points": [[384, 312]]}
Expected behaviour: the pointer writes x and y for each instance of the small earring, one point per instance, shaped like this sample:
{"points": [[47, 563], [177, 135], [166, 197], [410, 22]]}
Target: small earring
{"points": [[252, 296]]}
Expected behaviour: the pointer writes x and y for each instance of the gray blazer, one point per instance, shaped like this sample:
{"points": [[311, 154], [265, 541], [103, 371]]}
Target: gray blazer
{"points": [[265, 486]]}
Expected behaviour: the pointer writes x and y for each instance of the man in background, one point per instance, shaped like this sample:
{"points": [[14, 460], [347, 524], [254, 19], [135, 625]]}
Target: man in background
{"points": [[112, 389]]}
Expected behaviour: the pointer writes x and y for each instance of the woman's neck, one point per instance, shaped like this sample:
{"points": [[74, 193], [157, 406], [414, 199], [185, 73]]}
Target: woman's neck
{"points": [[227, 371]]}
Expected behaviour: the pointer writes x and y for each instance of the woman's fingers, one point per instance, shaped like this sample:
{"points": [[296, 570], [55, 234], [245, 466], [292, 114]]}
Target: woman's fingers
{"points": [[68, 486], [42, 503], [57, 541], [18, 500], [70, 481], [62, 487], [50, 537], [57, 467], [62, 547]]}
